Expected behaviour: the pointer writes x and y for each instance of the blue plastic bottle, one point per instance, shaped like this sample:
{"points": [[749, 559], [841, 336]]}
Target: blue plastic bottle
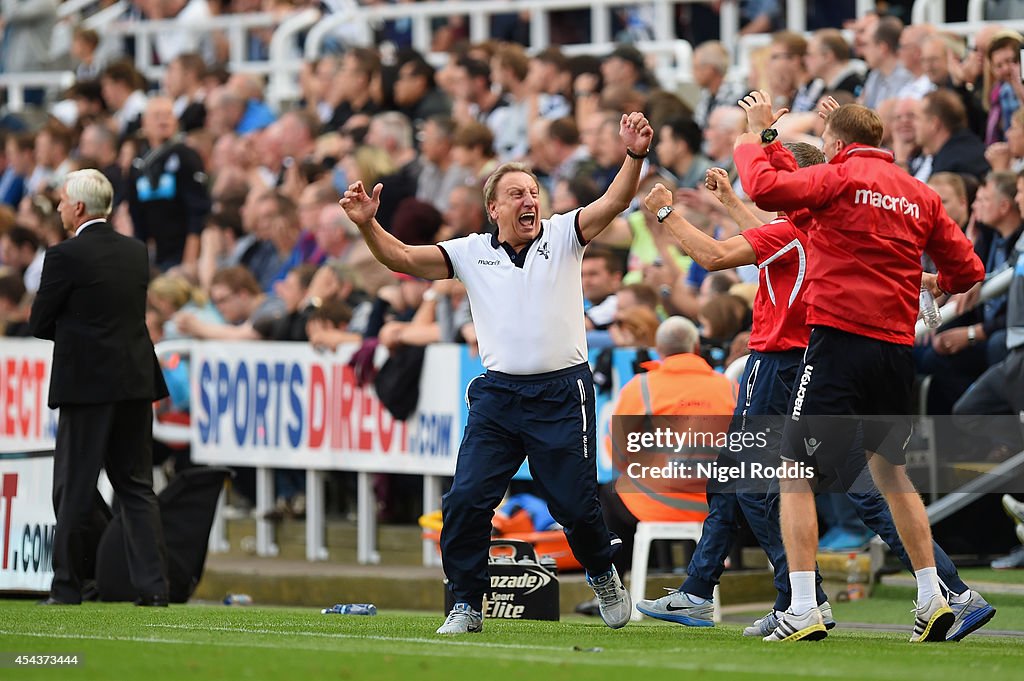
{"points": [[350, 609]]}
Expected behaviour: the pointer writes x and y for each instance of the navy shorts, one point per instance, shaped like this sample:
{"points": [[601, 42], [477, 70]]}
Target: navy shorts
{"points": [[849, 386]]}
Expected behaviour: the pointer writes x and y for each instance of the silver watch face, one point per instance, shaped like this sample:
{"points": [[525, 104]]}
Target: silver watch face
{"points": [[663, 212]]}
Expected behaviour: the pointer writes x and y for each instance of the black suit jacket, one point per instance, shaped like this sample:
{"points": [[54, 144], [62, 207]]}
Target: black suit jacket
{"points": [[92, 304]]}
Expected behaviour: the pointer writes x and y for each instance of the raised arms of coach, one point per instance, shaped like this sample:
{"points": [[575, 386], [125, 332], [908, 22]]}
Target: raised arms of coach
{"points": [[636, 133], [426, 262]]}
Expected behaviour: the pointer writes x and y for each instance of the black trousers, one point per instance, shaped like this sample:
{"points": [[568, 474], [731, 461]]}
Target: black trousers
{"points": [[119, 438]]}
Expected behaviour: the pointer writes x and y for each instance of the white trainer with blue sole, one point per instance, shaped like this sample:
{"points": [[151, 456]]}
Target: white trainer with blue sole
{"points": [[679, 607], [969, 616]]}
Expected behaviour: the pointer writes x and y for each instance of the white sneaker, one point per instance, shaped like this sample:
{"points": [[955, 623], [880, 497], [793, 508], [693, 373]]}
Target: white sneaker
{"points": [[767, 624], [1013, 508], [932, 620], [616, 605], [806, 627], [969, 616], [679, 607], [826, 615], [763, 626], [463, 619]]}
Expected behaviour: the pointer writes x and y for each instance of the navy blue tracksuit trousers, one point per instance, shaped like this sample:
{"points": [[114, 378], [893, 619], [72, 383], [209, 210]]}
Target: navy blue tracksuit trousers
{"points": [[765, 389], [550, 419]]}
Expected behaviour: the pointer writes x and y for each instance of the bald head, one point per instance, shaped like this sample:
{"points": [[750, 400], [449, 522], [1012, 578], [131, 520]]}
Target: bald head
{"points": [[158, 121]]}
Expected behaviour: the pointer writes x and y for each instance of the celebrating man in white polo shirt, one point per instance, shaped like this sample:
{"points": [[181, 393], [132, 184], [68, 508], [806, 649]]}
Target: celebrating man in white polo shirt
{"points": [[536, 398]]}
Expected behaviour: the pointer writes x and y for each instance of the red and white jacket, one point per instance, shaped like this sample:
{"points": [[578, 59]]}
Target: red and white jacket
{"points": [[871, 223]]}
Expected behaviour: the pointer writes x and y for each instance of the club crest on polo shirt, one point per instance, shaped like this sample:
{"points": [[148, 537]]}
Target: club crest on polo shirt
{"points": [[543, 250]]}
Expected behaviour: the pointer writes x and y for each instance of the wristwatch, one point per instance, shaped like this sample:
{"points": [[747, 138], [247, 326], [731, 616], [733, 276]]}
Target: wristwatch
{"points": [[971, 336], [769, 135], [664, 212]]}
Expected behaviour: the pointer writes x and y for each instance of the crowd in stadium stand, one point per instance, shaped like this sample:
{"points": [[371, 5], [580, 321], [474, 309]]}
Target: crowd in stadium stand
{"points": [[238, 201]]}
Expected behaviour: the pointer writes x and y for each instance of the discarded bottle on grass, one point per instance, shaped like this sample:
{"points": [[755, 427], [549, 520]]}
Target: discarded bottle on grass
{"points": [[238, 599], [856, 579], [930, 310], [350, 609]]}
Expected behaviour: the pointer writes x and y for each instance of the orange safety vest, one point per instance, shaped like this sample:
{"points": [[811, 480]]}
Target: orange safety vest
{"points": [[680, 385]]}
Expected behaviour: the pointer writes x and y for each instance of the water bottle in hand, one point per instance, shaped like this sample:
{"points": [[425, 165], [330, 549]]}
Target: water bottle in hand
{"points": [[930, 310]]}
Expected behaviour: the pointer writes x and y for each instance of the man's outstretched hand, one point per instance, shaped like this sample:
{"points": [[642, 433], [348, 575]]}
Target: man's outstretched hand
{"points": [[360, 206], [827, 106]]}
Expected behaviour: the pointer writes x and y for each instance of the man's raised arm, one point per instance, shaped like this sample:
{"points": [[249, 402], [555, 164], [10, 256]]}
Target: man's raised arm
{"points": [[637, 134], [426, 262], [709, 253]]}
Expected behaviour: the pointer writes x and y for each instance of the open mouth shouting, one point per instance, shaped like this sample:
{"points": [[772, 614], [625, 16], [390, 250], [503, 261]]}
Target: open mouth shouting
{"points": [[528, 219]]}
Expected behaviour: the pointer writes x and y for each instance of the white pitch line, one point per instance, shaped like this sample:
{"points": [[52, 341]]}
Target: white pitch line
{"points": [[583, 659], [372, 637]]}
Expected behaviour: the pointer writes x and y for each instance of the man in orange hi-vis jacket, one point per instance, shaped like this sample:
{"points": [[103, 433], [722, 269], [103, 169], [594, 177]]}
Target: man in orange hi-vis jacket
{"points": [[681, 385]]}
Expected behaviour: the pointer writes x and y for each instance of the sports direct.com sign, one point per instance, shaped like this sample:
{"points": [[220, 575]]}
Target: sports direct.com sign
{"points": [[26, 524], [26, 423], [285, 405]]}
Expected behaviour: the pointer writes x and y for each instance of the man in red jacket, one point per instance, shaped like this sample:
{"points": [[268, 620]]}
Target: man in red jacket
{"points": [[872, 221]]}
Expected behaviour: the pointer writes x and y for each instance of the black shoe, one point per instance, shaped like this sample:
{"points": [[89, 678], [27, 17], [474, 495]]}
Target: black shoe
{"points": [[156, 601], [591, 608], [50, 600]]}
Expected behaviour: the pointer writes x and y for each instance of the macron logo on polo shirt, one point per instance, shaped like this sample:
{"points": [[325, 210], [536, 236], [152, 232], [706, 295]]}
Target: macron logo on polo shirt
{"points": [[481, 261]]}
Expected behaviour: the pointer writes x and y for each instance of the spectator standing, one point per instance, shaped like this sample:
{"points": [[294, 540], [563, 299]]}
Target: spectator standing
{"points": [[166, 193]]}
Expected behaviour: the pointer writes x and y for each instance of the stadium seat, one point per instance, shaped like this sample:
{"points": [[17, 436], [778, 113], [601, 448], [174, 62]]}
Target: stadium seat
{"points": [[647, 533]]}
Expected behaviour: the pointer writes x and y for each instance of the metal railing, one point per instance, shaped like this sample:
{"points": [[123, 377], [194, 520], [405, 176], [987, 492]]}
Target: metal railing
{"points": [[934, 11], [17, 83], [941, 508], [285, 58]]}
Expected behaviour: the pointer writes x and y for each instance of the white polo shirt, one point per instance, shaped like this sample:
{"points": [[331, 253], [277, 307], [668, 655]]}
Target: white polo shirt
{"points": [[527, 307]]}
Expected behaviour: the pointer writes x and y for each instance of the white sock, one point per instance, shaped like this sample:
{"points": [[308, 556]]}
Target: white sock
{"points": [[801, 585], [696, 600], [927, 584]]}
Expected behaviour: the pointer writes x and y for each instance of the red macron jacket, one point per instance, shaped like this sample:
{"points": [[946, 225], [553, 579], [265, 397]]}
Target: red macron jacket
{"points": [[871, 223]]}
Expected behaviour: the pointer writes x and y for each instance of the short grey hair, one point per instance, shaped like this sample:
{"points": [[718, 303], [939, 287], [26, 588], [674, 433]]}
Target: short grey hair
{"points": [[491, 186], [714, 54], [91, 188], [676, 336], [396, 127]]}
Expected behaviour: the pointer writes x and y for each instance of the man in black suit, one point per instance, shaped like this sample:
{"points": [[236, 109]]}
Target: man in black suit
{"points": [[105, 376]]}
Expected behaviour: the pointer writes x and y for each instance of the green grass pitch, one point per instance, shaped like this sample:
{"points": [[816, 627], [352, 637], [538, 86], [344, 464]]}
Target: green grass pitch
{"points": [[195, 642]]}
